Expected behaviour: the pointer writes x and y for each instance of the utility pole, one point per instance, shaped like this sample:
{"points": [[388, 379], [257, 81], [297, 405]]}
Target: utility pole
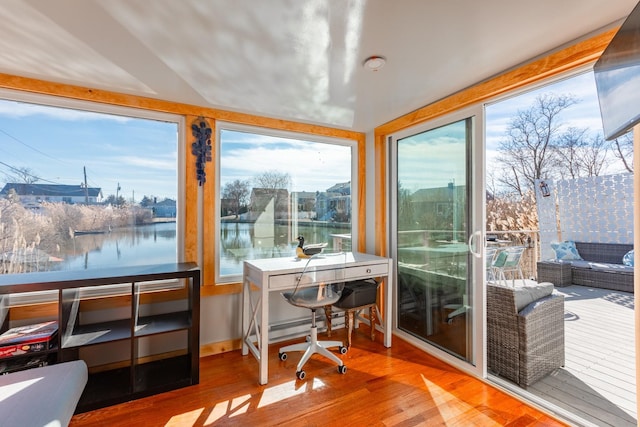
{"points": [[86, 189], [117, 192]]}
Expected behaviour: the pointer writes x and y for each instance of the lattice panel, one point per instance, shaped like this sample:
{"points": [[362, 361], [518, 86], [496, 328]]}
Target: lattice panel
{"points": [[593, 209], [547, 219], [597, 209]]}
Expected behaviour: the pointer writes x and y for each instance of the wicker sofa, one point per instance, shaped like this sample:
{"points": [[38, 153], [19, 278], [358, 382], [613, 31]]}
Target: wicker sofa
{"points": [[600, 267], [525, 332]]}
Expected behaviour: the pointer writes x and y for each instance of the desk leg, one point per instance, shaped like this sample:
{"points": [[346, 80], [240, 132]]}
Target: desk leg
{"points": [[388, 306], [246, 313], [264, 335]]}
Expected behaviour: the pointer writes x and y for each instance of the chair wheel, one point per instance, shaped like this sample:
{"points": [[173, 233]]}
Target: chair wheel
{"points": [[342, 369], [301, 375], [343, 350], [282, 356]]}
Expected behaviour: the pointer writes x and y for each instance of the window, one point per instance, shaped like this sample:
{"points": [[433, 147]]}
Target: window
{"points": [[85, 186], [275, 186]]}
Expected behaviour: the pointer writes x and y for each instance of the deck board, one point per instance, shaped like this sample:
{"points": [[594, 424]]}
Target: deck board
{"points": [[598, 381]]}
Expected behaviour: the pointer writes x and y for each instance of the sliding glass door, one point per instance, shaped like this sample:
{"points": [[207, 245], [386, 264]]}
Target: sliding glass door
{"points": [[434, 241]]}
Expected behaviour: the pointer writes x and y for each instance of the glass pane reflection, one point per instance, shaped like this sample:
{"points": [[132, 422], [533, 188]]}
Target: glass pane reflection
{"points": [[433, 255]]}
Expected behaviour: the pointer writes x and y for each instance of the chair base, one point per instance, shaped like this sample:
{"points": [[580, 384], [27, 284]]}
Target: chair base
{"points": [[313, 346]]}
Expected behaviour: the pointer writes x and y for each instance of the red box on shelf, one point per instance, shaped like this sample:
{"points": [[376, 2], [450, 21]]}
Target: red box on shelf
{"points": [[28, 339]]}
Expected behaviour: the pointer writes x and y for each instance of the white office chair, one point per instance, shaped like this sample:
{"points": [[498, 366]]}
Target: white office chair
{"points": [[315, 296]]}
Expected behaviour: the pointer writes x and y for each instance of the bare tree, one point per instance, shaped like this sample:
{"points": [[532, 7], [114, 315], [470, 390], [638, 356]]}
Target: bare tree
{"points": [[273, 180], [594, 156], [569, 147], [527, 153], [22, 175], [623, 150], [579, 154], [237, 192]]}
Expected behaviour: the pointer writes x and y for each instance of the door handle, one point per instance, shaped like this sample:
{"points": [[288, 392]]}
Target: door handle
{"points": [[471, 241]]}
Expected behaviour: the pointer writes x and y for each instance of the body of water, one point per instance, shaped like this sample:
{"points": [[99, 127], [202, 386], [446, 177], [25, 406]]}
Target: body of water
{"points": [[242, 241], [156, 244], [147, 244]]}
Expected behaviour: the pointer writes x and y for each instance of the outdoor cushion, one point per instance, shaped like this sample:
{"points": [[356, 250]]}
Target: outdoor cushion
{"points": [[500, 259], [565, 250], [612, 268], [525, 295], [580, 263], [627, 259]]}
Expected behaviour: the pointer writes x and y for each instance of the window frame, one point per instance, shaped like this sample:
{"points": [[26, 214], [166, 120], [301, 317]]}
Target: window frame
{"points": [[124, 111], [356, 177]]}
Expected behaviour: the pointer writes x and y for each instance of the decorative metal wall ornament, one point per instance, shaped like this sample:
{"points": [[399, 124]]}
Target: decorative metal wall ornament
{"points": [[201, 148]]}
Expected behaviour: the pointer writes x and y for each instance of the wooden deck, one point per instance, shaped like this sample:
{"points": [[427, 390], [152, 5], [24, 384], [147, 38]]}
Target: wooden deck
{"points": [[598, 382]]}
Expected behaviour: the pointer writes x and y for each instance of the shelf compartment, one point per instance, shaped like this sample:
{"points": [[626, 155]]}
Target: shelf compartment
{"points": [[161, 323], [98, 333], [105, 388], [162, 375]]}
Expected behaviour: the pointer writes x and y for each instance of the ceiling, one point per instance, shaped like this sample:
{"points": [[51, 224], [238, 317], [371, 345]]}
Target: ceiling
{"points": [[298, 60]]}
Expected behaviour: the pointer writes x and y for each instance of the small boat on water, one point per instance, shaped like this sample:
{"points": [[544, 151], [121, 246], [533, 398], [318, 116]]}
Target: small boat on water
{"points": [[83, 232]]}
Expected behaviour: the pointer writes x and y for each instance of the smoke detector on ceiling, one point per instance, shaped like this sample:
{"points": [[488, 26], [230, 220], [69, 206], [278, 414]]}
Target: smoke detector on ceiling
{"points": [[374, 63]]}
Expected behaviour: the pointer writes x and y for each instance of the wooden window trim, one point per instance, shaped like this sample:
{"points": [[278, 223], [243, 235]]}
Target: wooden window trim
{"points": [[577, 55]]}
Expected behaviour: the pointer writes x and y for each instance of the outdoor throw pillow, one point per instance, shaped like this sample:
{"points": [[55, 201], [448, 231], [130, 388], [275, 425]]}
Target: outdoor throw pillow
{"points": [[565, 250], [627, 259]]}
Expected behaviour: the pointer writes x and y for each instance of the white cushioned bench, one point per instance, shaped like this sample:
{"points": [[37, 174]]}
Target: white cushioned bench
{"points": [[45, 396]]}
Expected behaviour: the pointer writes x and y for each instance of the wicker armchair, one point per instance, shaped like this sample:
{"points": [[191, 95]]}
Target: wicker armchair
{"points": [[526, 345]]}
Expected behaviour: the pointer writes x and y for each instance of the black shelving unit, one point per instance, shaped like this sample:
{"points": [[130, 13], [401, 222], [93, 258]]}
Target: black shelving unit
{"points": [[130, 367]]}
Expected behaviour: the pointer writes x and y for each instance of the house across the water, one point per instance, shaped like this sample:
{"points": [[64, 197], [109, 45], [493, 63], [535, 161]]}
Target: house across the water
{"points": [[32, 195]]}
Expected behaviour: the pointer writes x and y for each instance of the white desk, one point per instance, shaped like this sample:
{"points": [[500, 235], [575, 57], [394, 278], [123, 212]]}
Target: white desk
{"points": [[263, 276]]}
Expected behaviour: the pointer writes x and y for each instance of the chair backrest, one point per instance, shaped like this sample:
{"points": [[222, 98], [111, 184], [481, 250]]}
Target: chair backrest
{"points": [[509, 258], [313, 289], [490, 254]]}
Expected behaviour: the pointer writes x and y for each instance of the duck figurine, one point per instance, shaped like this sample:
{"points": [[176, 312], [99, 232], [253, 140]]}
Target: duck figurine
{"points": [[307, 251]]}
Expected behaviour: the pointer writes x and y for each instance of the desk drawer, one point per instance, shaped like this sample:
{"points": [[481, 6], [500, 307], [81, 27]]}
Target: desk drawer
{"points": [[288, 281], [366, 271]]}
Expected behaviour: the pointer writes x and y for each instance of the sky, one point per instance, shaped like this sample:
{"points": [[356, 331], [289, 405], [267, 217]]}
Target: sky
{"points": [[433, 159], [584, 114], [312, 166], [57, 144], [139, 155]]}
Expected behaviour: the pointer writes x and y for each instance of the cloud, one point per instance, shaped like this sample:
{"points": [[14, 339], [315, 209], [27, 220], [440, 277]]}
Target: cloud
{"points": [[16, 109], [312, 166]]}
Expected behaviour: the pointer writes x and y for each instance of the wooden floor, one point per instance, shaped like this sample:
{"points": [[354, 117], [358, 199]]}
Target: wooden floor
{"points": [[598, 382], [399, 386]]}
